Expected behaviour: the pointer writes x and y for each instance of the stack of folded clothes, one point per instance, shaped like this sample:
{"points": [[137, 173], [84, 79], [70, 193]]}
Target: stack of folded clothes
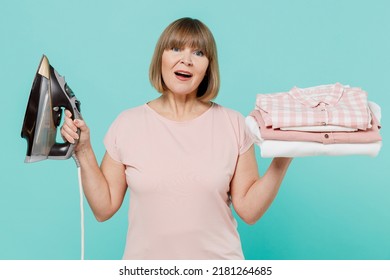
{"points": [[332, 120]]}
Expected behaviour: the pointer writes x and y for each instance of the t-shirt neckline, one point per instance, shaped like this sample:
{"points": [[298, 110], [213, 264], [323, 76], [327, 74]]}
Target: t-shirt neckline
{"points": [[165, 119]]}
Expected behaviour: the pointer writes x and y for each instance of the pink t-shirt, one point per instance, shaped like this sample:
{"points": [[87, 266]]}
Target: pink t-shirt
{"points": [[178, 174]]}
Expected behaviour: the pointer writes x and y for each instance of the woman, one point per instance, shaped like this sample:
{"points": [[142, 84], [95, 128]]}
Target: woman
{"points": [[184, 159]]}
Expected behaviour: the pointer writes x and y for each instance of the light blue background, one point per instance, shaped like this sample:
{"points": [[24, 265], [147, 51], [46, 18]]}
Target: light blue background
{"points": [[327, 208]]}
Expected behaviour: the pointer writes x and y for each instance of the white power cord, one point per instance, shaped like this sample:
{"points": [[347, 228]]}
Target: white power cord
{"points": [[81, 212], [81, 205]]}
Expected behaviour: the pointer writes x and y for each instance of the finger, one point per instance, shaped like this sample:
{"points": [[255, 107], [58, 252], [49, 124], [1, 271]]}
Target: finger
{"points": [[70, 128], [70, 132], [68, 113], [66, 136], [69, 123], [80, 124]]}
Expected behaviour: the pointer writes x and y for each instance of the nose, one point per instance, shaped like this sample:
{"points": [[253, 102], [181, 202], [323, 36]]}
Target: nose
{"points": [[186, 58]]}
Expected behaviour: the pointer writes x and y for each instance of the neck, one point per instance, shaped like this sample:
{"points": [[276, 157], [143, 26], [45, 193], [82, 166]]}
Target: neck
{"points": [[179, 108]]}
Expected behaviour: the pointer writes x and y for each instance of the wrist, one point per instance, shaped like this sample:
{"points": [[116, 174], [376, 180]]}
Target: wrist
{"points": [[82, 149]]}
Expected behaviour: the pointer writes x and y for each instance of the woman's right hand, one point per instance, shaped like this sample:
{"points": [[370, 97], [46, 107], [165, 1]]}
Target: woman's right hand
{"points": [[69, 131]]}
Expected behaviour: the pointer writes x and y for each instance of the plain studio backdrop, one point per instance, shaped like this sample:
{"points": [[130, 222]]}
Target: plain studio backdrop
{"points": [[327, 208]]}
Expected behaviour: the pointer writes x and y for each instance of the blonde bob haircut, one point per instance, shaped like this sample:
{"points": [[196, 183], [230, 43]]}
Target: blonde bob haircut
{"points": [[188, 32]]}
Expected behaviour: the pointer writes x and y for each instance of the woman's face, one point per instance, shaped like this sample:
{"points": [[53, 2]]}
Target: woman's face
{"points": [[183, 69]]}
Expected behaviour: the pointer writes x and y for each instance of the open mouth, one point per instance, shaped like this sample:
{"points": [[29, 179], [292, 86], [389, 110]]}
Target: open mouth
{"points": [[183, 74]]}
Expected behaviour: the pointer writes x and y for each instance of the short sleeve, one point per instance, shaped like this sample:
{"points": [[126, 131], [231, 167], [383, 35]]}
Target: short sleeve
{"points": [[245, 136], [111, 140]]}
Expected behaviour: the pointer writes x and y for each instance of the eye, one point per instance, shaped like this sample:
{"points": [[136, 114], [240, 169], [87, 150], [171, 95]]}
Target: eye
{"points": [[198, 53], [175, 49]]}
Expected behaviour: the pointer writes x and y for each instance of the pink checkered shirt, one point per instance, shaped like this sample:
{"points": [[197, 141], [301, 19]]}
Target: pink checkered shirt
{"points": [[315, 106]]}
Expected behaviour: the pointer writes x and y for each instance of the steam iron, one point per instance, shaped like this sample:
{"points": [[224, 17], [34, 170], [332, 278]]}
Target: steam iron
{"points": [[49, 96]]}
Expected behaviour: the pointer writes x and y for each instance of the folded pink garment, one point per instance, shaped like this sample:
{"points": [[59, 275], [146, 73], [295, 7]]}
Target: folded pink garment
{"points": [[333, 104], [361, 136]]}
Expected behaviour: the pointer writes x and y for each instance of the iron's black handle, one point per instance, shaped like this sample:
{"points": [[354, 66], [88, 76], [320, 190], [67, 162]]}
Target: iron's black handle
{"points": [[65, 99], [65, 150]]}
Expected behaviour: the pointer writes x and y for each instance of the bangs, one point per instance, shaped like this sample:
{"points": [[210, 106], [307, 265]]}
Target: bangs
{"points": [[188, 34]]}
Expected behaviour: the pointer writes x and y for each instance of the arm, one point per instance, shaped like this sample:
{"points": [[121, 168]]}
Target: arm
{"points": [[252, 194], [104, 186]]}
